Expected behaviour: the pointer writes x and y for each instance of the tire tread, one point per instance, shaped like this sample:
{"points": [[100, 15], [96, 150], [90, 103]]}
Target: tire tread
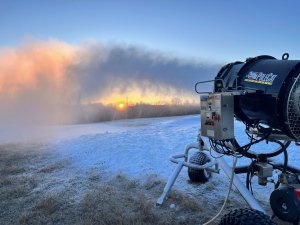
{"points": [[199, 158], [246, 217]]}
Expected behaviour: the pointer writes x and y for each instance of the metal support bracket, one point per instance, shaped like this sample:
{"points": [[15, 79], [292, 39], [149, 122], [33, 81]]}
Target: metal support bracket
{"points": [[175, 159], [252, 202]]}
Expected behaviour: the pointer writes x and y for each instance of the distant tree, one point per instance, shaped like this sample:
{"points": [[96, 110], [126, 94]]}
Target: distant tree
{"points": [[186, 102], [131, 103], [162, 102], [176, 101]]}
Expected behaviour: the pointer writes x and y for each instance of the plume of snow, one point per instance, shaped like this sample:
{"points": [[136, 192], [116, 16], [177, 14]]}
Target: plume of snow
{"points": [[40, 79]]}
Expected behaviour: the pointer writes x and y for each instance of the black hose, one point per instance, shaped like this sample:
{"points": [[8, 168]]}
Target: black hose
{"points": [[285, 160], [247, 147], [244, 149], [250, 169], [285, 156]]}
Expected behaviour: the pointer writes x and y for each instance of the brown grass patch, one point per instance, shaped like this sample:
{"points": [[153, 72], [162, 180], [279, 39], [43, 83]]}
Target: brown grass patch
{"points": [[36, 189]]}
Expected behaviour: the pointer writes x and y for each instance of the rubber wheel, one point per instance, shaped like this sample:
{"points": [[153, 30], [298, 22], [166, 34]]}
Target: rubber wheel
{"points": [[246, 217], [199, 158]]}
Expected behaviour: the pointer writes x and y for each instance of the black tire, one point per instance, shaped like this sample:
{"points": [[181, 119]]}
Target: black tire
{"points": [[199, 158], [246, 217]]}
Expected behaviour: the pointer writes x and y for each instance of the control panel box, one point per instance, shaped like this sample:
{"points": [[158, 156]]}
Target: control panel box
{"points": [[217, 116]]}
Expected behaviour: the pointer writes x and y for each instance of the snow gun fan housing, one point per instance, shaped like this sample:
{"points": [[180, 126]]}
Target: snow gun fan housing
{"points": [[269, 93], [263, 93]]}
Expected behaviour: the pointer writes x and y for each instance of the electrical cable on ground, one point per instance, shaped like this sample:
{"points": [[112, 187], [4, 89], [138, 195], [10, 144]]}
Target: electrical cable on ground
{"points": [[230, 185]]}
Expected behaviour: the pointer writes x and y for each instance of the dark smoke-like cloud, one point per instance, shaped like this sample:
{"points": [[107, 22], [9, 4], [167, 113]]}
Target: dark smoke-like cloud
{"points": [[106, 69], [38, 79]]}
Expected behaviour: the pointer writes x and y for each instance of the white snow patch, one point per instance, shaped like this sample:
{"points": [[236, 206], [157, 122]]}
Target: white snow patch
{"points": [[141, 146]]}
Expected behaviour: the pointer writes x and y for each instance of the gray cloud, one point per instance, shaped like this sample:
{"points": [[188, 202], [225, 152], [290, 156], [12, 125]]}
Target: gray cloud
{"points": [[40, 79], [102, 69]]}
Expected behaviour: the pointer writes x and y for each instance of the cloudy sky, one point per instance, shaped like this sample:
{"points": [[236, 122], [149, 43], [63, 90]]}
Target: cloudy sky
{"points": [[79, 52]]}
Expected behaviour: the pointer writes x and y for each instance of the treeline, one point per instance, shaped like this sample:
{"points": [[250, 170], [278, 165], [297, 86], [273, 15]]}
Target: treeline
{"points": [[173, 101], [148, 111], [94, 113]]}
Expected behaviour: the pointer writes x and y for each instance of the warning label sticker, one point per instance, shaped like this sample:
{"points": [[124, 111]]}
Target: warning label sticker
{"points": [[210, 133], [203, 99]]}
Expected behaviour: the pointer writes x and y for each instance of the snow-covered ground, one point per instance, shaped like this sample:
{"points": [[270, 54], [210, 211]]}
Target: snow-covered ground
{"points": [[138, 147]]}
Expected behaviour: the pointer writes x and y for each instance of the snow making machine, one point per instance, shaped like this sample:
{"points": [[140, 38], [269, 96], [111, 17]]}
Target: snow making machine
{"points": [[264, 94]]}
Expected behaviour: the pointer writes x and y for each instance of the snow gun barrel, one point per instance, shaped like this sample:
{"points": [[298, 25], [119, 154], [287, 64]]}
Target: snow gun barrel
{"points": [[269, 92]]}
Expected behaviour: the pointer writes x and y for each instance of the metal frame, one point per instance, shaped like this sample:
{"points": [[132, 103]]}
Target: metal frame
{"points": [[232, 92], [252, 202], [180, 165]]}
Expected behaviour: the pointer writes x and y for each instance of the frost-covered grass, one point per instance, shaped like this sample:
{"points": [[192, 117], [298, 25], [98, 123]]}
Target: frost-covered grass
{"points": [[29, 194], [111, 173]]}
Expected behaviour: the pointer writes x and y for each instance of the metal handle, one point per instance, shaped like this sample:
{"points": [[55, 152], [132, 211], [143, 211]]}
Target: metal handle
{"points": [[201, 83]]}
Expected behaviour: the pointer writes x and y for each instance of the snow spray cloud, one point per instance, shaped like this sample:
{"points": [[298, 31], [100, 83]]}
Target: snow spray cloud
{"points": [[110, 72], [33, 82], [39, 80]]}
